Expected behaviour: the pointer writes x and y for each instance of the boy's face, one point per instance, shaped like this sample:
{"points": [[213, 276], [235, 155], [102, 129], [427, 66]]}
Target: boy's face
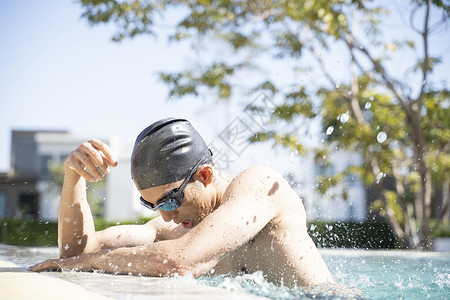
{"points": [[192, 209]]}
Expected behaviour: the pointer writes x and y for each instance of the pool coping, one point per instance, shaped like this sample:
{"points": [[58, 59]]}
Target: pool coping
{"points": [[19, 283]]}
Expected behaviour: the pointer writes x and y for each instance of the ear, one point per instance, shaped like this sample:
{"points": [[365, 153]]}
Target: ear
{"points": [[204, 174]]}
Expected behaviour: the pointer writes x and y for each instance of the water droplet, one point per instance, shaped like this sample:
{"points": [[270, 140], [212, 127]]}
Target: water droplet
{"points": [[330, 130], [344, 117], [129, 264], [338, 84], [381, 137], [379, 176], [368, 105]]}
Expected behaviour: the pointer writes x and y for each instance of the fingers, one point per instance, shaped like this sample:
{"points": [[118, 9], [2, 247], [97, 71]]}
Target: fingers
{"points": [[48, 265], [80, 169], [93, 156], [88, 162], [105, 151]]}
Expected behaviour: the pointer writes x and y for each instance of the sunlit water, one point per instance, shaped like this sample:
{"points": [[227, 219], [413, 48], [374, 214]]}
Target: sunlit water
{"points": [[376, 274]]}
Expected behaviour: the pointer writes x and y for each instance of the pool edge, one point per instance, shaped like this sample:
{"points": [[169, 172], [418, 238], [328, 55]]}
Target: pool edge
{"points": [[18, 283]]}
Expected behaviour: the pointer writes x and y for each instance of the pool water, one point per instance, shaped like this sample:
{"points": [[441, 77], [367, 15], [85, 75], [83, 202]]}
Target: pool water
{"points": [[358, 273], [363, 274], [393, 274]]}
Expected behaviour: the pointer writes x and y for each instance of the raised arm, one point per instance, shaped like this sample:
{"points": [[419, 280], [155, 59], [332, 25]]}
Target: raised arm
{"points": [[76, 232]]}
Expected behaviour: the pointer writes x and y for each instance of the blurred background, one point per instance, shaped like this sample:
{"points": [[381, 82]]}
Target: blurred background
{"points": [[348, 99]]}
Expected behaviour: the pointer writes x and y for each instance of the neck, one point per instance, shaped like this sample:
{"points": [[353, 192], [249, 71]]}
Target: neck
{"points": [[220, 185]]}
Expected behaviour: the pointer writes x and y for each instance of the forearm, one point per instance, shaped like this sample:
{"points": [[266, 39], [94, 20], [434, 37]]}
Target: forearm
{"points": [[76, 231], [158, 259], [136, 261]]}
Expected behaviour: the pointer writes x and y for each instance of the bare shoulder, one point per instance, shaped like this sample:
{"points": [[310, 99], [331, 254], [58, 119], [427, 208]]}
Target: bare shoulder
{"points": [[265, 183], [259, 182], [260, 170], [271, 180]]}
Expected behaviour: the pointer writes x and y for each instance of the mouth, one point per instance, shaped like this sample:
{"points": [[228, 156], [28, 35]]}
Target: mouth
{"points": [[187, 224]]}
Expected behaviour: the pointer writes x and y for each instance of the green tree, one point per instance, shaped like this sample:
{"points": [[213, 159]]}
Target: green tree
{"points": [[401, 128]]}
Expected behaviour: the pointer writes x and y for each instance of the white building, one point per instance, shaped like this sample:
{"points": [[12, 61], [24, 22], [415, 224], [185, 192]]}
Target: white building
{"points": [[332, 206]]}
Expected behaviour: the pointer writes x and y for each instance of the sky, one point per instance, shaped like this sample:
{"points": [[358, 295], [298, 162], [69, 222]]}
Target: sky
{"points": [[59, 73]]}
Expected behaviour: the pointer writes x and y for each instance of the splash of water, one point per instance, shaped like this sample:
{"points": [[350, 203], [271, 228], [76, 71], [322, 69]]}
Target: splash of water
{"points": [[379, 176], [329, 130], [344, 117], [381, 137]]}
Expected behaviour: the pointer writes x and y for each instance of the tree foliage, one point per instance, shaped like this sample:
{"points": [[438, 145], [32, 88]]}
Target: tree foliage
{"points": [[401, 128]]}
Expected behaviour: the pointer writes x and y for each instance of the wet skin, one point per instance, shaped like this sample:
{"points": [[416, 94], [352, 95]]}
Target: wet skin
{"points": [[224, 226]]}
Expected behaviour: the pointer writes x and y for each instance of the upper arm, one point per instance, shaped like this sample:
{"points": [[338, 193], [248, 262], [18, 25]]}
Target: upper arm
{"points": [[249, 206], [136, 235]]}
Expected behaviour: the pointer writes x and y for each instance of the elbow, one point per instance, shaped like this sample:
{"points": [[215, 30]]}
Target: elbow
{"points": [[197, 269], [185, 271], [163, 259], [177, 268], [78, 246]]}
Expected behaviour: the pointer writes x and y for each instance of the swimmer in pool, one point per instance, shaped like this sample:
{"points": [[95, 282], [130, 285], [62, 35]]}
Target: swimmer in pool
{"points": [[209, 223]]}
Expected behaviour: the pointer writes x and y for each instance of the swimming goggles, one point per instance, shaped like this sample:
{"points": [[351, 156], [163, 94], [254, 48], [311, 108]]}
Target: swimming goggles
{"points": [[172, 200]]}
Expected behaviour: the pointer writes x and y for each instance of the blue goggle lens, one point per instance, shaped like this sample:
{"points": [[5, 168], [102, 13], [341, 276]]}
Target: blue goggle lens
{"points": [[170, 205]]}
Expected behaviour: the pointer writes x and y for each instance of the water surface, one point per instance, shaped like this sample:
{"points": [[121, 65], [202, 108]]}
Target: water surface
{"points": [[375, 274]]}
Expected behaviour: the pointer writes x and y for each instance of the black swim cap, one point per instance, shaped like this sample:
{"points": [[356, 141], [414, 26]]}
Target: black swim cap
{"points": [[166, 152]]}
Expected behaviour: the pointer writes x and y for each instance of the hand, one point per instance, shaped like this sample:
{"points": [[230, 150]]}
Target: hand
{"points": [[89, 156], [72, 263]]}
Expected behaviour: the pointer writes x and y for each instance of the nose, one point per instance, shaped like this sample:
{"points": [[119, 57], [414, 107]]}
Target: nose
{"points": [[167, 215]]}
